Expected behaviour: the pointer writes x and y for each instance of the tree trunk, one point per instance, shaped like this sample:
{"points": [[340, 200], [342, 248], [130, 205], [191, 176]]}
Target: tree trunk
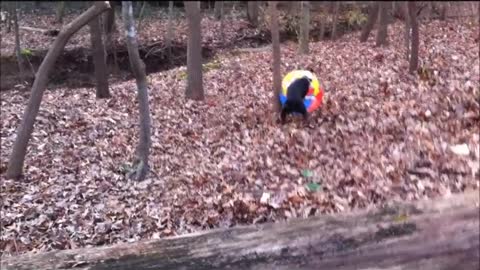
{"points": [[252, 12], [18, 50], [222, 23], [443, 11], [372, 18], [413, 64], [217, 9], [408, 29], [382, 32], [277, 79], [110, 30], [426, 235], [304, 27], [169, 37], [60, 11], [141, 166], [323, 21], [140, 15], [10, 7], [99, 59], [24, 132], [335, 19], [194, 52]]}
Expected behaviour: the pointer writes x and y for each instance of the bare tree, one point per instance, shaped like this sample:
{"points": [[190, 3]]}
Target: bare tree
{"points": [[372, 18], [110, 29], [304, 27], [443, 11], [60, 11], [138, 68], [412, 14], [194, 52], [18, 50], [277, 79], [408, 29], [336, 6], [217, 9], [9, 9], [99, 58], [169, 37], [24, 132], [140, 15], [252, 12], [382, 32]]}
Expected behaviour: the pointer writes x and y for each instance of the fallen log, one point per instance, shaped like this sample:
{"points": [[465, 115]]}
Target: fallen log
{"points": [[47, 32], [440, 234]]}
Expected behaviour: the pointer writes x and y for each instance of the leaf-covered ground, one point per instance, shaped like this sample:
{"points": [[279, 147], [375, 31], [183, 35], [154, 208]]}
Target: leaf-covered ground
{"points": [[381, 135]]}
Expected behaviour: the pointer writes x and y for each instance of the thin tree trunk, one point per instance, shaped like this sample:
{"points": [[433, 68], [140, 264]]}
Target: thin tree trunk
{"points": [[18, 50], [60, 11], [222, 23], [323, 21], [194, 52], [413, 65], [169, 37], [372, 18], [335, 19], [304, 27], [382, 32], [217, 9], [252, 12], [140, 16], [277, 79], [99, 59], [443, 11], [24, 132], [110, 29], [141, 166], [408, 30], [10, 7]]}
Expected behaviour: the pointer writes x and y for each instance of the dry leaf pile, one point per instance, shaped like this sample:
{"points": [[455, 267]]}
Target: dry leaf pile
{"points": [[381, 135]]}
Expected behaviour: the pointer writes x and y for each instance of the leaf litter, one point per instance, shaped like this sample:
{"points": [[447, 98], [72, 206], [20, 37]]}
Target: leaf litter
{"points": [[381, 135]]}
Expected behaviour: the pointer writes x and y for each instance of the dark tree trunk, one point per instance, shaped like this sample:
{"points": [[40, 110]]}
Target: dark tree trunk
{"points": [[372, 18], [304, 27], [336, 6], [24, 132], [382, 32], [194, 52], [413, 65], [217, 9], [110, 30], [169, 37], [407, 29], [99, 58], [277, 79], [141, 166], [443, 11], [60, 11], [252, 12], [10, 7]]}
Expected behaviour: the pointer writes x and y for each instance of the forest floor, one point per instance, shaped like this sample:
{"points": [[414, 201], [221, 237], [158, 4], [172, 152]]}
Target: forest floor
{"points": [[381, 135]]}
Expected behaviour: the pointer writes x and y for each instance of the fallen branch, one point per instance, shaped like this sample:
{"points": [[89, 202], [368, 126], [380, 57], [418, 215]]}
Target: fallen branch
{"points": [[441, 234], [47, 32]]}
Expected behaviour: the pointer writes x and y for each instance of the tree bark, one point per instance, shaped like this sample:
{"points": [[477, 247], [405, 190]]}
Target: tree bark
{"points": [[141, 165], [323, 21], [277, 79], [10, 7], [408, 29], [443, 11], [372, 18], [427, 235], [194, 52], [169, 37], [99, 59], [17, 158], [335, 19], [252, 12], [413, 64], [110, 30], [18, 49], [218, 9], [304, 27], [60, 11], [382, 32]]}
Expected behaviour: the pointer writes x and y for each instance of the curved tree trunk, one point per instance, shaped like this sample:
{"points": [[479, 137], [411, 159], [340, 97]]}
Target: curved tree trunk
{"points": [[194, 52], [141, 166], [277, 79], [304, 27], [24, 132], [372, 18], [382, 32]]}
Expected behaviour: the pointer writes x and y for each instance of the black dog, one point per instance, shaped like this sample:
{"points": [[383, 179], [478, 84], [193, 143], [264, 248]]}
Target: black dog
{"points": [[296, 92]]}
